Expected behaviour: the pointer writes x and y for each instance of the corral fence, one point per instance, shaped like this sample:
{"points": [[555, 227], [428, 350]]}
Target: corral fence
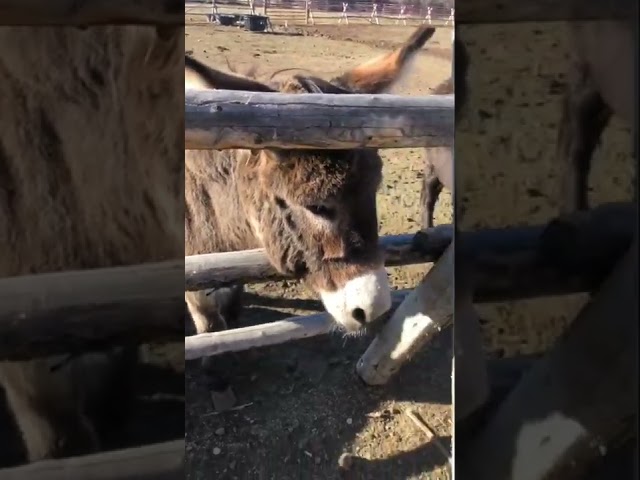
{"points": [[224, 119], [313, 12]]}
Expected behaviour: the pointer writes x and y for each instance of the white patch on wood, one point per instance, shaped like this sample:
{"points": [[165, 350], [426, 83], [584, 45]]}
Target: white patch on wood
{"points": [[360, 301], [422, 315], [541, 444]]}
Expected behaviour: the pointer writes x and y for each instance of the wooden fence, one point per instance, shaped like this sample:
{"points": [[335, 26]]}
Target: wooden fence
{"points": [[315, 12], [221, 119]]}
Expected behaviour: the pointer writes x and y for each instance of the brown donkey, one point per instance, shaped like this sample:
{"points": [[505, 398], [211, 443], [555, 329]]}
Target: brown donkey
{"points": [[313, 211], [438, 168]]}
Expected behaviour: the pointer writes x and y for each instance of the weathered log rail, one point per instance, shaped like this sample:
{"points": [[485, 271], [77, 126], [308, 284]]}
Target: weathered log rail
{"points": [[252, 266], [570, 255], [516, 11], [91, 12], [76, 311], [163, 461], [219, 119]]}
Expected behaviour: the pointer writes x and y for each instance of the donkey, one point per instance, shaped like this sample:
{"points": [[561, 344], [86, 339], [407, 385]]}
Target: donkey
{"points": [[601, 82], [79, 190], [438, 169], [313, 211]]}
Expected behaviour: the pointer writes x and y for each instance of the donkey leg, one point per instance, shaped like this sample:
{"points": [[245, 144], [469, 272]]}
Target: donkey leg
{"points": [[431, 188], [48, 410], [109, 385], [213, 311], [584, 117]]}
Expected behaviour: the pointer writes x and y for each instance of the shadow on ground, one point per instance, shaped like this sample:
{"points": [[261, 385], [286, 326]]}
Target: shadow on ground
{"points": [[305, 406], [157, 416]]}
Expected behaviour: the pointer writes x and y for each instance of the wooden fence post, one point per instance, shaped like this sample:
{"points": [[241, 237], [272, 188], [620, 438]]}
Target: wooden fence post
{"points": [[422, 315], [575, 401]]}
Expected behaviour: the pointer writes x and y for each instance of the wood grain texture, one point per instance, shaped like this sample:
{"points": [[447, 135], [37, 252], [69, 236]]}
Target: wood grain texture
{"points": [[163, 461], [571, 254], [252, 266], [266, 334], [218, 119], [567, 409], [75, 311], [426, 311], [91, 12], [513, 11]]}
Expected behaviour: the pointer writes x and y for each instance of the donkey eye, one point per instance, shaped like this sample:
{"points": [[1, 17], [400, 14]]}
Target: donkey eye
{"points": [[322, 211]]}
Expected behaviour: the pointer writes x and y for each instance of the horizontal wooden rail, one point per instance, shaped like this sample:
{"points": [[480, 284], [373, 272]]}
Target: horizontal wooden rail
{"points": [[570, 256], [74, 311], [91, 12], [252, 266], [83, 310], [267, 334], [513, 11], [163, 461], [220, 119]]}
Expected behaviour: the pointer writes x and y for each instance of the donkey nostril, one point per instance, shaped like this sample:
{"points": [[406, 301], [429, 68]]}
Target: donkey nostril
{"points": [[359, 315]]}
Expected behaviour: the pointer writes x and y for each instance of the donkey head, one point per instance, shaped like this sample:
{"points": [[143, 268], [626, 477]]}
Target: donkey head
{"points": [[314, 211]]}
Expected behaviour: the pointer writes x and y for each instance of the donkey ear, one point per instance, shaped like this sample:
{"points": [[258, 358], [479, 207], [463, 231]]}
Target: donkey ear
{"points": [[380, 74], [198, 75], [317, 85]]}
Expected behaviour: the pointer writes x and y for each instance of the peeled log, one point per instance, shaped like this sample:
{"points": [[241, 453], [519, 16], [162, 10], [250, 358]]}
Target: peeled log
{"points": [[422, 315], [220, 119], [573, 403], [91, 12], [264, 335]]}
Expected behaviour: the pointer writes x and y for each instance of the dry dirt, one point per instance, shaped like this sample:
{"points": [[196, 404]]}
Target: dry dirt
{"points": [[520, 83], [306, 403]]}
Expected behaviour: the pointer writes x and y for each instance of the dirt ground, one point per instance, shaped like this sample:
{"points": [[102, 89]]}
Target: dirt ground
{"points": [[306, 404], [521, 82]]}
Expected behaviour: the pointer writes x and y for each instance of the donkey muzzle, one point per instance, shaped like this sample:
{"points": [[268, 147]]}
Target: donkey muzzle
{"points": [[360, 301]]}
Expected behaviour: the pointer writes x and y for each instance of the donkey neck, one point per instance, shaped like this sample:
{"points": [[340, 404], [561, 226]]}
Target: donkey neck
{"points": [[215, 219]]}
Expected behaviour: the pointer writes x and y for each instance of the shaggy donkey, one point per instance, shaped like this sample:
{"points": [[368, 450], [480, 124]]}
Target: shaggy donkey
{"points": [[438, 168], [313, 211]]}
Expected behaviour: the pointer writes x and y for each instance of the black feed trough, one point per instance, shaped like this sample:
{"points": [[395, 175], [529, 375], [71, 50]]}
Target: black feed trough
{"points": [[256, 23], [226, 20]]}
